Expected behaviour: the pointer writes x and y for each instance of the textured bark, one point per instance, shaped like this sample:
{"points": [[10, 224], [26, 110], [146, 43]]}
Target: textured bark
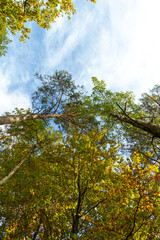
{"points": [[148, 127], [9, 119]]}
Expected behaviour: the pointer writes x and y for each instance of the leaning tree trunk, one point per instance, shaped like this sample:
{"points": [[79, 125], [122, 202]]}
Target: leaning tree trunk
{"points": [[9, 119], [148, 127]]}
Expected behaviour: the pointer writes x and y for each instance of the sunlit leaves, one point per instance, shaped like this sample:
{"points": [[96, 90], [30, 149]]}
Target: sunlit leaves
{"points": [[15, 14], [77, 186], [131, 203]]}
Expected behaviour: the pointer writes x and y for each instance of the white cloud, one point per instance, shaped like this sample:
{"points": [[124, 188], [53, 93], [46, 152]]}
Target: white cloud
{"points": [[139, 66], [10, 100], [16, 73], [117, 41], [64, 37], [120, 44], [128, 55]]}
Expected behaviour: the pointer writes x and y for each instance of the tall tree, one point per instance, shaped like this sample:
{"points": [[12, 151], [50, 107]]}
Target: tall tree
{"points": [[57, 97]]}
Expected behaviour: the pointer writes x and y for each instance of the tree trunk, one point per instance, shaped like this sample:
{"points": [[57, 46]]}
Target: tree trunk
{"points": [[148, 127], [9, 119]]}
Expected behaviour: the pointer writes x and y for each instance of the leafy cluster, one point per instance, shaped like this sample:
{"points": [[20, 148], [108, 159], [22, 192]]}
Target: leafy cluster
{"points": [[4, 41], [14, 16]]}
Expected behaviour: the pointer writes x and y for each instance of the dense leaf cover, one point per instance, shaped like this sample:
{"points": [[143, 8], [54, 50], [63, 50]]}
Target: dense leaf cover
{"points": [[76, 182]]}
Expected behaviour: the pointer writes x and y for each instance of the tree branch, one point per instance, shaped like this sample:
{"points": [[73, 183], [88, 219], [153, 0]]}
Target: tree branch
{"points": [[153, 99], [134, 219], [17, 166]]}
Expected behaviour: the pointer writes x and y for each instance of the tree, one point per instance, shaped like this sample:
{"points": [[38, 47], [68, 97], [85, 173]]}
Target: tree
{"points": [[53, 99], [57, 98], [15, 14], [138, 123]]}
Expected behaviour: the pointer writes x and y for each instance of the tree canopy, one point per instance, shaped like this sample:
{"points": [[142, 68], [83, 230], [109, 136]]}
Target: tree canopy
{"points": [[73, 187], [77, 181]]}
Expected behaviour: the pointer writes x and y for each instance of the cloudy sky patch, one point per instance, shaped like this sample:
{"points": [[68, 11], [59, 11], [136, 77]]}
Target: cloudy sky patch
{"points": [[117, 41]]}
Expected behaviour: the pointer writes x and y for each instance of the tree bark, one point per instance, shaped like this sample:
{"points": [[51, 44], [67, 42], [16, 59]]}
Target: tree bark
{"points": [[148, 127], [9, 119]]}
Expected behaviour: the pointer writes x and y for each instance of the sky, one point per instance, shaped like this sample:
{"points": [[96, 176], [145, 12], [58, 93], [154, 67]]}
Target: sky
{"points": [[115, 41]]}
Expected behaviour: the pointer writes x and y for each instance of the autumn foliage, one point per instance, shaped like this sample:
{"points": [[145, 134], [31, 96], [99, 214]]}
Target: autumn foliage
{"points": [[79, 181], [77, 186], [96, 174]]}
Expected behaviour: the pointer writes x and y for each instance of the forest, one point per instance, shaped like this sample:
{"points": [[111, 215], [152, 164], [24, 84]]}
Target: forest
{"points": [[77, 165]]}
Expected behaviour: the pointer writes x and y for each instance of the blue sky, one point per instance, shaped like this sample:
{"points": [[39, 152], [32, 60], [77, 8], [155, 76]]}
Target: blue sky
{"points": [[117, 41]]}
